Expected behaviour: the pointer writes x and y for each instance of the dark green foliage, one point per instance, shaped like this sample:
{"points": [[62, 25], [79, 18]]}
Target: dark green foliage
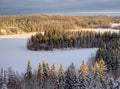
{"points": [[46, 75], [13, 81], [40, 77], [53, 79], [56, 39], [83, 82], [61, 78], [110, 53], [71, 78], [28, 77]]}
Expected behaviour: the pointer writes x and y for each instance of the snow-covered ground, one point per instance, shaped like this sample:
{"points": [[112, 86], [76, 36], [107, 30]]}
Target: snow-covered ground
{"points": [[25, 35], [102, 30], [13, 53], [115, 24]]}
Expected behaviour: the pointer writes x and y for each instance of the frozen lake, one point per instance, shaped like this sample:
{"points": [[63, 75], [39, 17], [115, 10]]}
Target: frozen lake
{"points": [[13, 53]]}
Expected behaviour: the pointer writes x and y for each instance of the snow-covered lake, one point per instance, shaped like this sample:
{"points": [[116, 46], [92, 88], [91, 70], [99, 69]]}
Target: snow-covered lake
{"points": [[13, 53]]}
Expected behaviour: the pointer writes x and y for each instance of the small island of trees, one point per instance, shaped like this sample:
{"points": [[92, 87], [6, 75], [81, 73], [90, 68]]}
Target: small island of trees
{"points": [[57, 39]]}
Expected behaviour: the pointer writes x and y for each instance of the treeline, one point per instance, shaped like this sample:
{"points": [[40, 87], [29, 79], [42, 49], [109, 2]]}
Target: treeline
{"points": [[36, 23], [57, 39], [110, 53], [94, 77]]}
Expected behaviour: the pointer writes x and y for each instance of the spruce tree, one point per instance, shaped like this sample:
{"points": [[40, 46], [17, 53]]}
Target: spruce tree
{"points": [[102, 67], [84, 69], [71, 78], [54, 78], [12, 80], [61, 78], [83, 76], [102, 72], [46, 78], [98, 76], [28, 77], [40, 76]]}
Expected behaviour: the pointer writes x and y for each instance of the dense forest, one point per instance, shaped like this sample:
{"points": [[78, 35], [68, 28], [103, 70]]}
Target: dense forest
{"points": [[36, 23], [110, 53], [108, 44], [57, 39], [53, 34], [94, 77]]}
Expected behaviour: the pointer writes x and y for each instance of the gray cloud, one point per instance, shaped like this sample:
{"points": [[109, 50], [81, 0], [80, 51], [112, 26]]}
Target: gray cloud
{"points": [[57, 6]]}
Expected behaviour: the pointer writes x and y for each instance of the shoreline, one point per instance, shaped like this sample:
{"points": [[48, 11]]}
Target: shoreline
{"points": [[27, 35], [101, 30], [21, 36]]}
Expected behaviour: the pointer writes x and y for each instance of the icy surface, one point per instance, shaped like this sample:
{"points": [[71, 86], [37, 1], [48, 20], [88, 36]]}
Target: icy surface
{"points": [[13, 53]]}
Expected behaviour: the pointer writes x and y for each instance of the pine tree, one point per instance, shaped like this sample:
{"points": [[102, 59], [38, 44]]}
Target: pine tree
{"points": [[28, 77], [46, 69], [53, 71], [71, 78], [102, 72], [84, 69], [96, 68], [54, 78], [40, 76], [95, 78], [46, 77], [61, 78], [12, 80], [98, 78], [83, 76], [102, 67]]}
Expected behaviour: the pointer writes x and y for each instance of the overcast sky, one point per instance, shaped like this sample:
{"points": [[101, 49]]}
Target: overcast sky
{"points": [[63, 5]]}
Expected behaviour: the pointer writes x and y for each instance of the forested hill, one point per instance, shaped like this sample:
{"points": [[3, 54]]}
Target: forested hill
{"points": [[36, 23]]}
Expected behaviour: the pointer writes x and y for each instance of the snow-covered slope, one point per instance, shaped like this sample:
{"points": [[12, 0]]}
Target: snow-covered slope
{"points": [[13, 53]]}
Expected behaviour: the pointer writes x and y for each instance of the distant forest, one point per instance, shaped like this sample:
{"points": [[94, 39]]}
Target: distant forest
{"points": [[38, 23], [92, 77]]}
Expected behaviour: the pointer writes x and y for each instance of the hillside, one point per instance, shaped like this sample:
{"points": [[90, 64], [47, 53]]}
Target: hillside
{"points": [[36, 23]]}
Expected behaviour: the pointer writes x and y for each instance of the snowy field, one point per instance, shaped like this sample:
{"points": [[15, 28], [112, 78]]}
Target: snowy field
{"points": [[13, 53]]}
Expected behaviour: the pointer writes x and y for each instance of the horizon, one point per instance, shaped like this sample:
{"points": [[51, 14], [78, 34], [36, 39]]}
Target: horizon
{"points": [[60, 7], [115, 14]]}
